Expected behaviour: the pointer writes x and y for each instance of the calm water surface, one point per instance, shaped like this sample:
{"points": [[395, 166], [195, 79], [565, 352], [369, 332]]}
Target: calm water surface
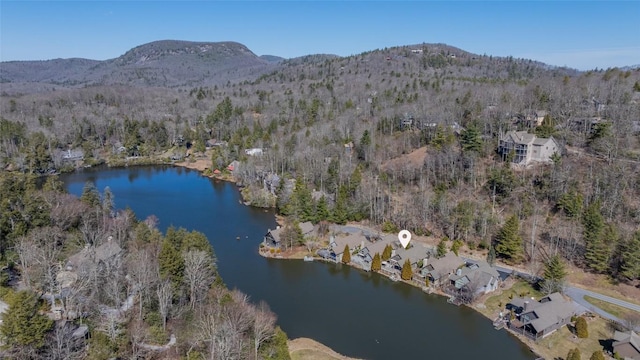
{"points": [[355, 313]]}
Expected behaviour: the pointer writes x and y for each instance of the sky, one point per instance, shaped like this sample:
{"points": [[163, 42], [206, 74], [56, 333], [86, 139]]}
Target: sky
{"points": [[579, 34]]}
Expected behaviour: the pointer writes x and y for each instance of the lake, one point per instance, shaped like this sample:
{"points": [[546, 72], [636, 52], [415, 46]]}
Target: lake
{"points": [[355, 313]]}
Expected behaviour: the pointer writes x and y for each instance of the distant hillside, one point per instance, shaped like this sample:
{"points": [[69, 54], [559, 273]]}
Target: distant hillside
{"points": [[166, 63]]}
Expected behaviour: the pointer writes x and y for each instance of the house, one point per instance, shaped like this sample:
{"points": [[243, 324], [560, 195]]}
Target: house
{"points": [[91, 257], [253, 151], [537, 319], [273, 237], [73, 155], [627, 345], [337, 244], [534, 118], [480, 278], [416, 51], [233, 166], [527, 147], [438, 270]]}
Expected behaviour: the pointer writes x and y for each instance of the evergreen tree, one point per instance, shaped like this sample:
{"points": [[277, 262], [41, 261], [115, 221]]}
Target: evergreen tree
{"points": [[322, 210], [340, 212], [346, 255], [509, 242], [491, 255], [581, 328], [597, 355], [455, 247], [470, 139], [546, 129], [376, 263], [630, 267], [171, 263], [571, 203], [23, 326], [406, 273], [442, 248], [386, 253], [90, 195], [554, 273], [596, 251]]}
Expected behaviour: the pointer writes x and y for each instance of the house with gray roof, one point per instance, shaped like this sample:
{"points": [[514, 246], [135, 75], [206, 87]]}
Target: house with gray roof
{"points": [[273, 237], [527, 148], [627, 345], [537, 319], [480, 278], [337, 245], [438, 270]]}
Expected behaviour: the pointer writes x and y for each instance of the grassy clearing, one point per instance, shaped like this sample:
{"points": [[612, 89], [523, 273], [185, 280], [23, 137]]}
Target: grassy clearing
{"points": [[558, 344], [309, 354], [308, 349], [612, 309]]}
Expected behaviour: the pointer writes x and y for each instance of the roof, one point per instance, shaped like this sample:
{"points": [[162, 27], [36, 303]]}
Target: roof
{"points": [[478, 274], [275, 234], [107, 250], [519, 137], [631, 338], [353, 240], [548, 311], [444, 265], [306, 227], [415, 253]]}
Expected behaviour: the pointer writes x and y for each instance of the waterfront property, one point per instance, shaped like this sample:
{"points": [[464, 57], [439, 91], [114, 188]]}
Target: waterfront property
{"points": [[627, 345], [476, 278], [438, 270], [273, 238], [537, 319]]}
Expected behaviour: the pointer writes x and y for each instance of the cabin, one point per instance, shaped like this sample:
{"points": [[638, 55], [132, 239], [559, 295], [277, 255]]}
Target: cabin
{"points": [[538, 319]]}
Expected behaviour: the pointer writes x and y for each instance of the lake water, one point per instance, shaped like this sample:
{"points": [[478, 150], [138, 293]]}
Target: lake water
{"points": [[355, 313]]}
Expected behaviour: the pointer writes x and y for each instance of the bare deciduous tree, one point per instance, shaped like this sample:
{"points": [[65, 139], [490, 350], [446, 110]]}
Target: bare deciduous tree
{"points": [[199, 274]]}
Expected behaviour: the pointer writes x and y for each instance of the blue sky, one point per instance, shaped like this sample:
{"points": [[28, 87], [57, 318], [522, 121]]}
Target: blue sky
{"points": [[578, 34]]}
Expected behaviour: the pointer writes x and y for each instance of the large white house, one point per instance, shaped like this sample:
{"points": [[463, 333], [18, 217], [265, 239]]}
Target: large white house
{"points": [[527, 147]]}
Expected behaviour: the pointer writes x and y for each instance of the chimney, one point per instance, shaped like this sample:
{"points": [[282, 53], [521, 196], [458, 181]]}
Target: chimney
{"points": [[525, 307]]}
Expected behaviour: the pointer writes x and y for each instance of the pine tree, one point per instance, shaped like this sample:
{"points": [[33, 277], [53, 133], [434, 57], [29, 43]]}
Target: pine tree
{"points": [[340, 213], [470, 139], [346, 255], [491, 256], [455, 247], [509, 241], [406, 273], [597, 254], [90, 194], [630, 267], [322, 210], [597, 355], [554, 273], [171, 264], [582, 330], [376, 263], [386, 253], [442, 248], [23, 326]]}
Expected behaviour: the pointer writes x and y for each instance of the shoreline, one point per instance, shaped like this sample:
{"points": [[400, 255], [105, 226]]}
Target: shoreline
{"points": [[299, 252]]}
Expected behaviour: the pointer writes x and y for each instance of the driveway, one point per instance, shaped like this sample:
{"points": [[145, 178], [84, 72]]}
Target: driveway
{"points": [[578, 294]]}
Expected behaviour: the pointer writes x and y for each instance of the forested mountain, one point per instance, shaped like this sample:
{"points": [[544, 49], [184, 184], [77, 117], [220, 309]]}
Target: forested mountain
{"points": [[166, 63], [404, 137]]}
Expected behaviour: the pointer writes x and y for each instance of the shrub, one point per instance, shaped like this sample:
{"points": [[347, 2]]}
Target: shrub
{"points": [[581, 328]]}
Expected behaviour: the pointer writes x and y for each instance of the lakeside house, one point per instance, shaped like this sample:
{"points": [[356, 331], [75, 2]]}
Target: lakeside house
{"points": [[439, 269], [479, 277], [538, 319], [627, 345], [273, 238], [526, 147]]}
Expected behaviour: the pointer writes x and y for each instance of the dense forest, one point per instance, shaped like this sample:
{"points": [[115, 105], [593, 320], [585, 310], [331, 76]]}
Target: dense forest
{"points": [[404, 137]]}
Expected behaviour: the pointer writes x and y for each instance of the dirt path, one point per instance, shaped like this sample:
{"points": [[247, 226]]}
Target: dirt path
{"points": [[308, 349]]}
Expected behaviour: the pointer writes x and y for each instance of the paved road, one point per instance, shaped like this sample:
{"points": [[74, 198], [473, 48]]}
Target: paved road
{"points": [[578, 294]]}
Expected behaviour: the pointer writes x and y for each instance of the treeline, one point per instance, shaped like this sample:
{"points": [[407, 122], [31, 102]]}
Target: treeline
{"points": [[141, 294]]}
